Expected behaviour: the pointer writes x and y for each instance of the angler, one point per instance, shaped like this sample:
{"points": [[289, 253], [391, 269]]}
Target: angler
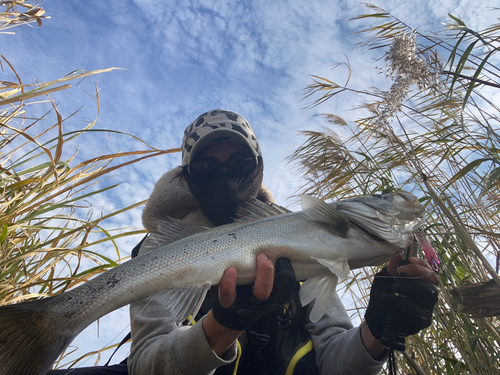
{"points": [[181, 260]]}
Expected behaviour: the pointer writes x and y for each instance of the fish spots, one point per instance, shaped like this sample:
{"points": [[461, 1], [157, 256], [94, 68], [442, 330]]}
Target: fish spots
{"points": [[112, 281], [233, 234], [95, 289], [181, 274]]}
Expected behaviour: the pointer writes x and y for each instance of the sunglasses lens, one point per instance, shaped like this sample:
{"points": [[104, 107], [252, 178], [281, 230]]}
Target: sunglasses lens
{"points": [[241, 164], [204, 169]]}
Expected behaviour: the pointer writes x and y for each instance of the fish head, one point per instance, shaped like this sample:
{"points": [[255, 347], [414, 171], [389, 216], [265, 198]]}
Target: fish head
{"points": [[367, 231], [388, 221]]}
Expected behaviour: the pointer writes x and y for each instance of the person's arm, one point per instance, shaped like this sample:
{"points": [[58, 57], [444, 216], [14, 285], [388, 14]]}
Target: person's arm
{"points": [[159, 346], [342, 349], [339, 346], [372, 345]]}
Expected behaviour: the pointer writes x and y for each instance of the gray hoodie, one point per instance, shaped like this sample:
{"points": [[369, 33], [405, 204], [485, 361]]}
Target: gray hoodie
{"points": [[159, 346]]}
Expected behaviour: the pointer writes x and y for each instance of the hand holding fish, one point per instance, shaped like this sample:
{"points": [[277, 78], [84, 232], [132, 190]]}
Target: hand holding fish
{"points": [[236, 308], [182, 261], [418, 268], [262, 288], [414, 311], [270, 292]]}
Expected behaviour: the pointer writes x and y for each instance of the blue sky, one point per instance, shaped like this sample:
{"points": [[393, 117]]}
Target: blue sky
{"points": [[182, 58]]}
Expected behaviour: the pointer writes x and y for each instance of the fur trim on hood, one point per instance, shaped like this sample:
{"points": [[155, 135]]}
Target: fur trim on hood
{"points": [[172, 197]]}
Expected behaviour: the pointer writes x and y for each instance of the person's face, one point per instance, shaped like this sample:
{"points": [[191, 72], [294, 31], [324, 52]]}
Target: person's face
{"points": [[222, 152], [218, 190], [224, 161]]}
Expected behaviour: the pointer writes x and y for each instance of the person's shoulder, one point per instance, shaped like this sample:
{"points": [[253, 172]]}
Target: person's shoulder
{"points": [[174, 172], [265, 195]]}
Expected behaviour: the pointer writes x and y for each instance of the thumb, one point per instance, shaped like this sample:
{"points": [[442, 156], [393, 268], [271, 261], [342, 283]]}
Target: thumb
{"points": [[227, 288], [393, 265]]}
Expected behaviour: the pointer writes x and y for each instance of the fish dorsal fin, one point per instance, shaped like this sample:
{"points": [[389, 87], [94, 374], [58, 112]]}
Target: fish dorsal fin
{"points": [[322, 288], [169, 230], [254, 209], [183, 302], [339, 267], [318, 210]]}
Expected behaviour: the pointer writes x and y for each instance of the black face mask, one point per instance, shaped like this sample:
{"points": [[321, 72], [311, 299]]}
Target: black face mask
{"points": [[220, 198]]}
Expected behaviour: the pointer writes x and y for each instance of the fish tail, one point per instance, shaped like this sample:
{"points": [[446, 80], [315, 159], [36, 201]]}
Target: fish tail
{"points": [[29, 341]]}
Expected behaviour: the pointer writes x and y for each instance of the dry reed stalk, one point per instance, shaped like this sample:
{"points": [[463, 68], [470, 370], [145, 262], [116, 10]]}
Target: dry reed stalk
{"points": [[440, 140]]}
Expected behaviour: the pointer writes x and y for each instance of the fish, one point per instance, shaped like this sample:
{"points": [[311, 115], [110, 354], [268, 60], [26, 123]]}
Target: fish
{"points": [[182, 261]]}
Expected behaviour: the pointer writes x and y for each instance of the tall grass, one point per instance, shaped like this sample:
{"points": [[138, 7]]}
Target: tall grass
{"points": [[49, 235], [435, 132], [19, 12]]}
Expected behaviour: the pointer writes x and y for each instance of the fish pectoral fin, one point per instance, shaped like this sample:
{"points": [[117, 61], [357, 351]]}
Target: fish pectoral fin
{"points": [[183, 302], [339, 267], [321, 287], [320, 211], [169, 230]]}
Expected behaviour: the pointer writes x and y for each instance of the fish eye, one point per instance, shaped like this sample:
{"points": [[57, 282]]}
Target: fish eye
{"points": [[385, 197]]}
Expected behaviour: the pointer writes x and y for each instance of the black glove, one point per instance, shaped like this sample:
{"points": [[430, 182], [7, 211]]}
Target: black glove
{"points": [[408, 303], [247, 309]]}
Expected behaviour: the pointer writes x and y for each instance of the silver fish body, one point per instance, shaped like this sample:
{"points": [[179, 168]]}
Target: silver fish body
{"points": [[323, 242]]}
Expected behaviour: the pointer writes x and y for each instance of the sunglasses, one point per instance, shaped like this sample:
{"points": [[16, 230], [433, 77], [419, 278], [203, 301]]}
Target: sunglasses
{"points": [[241, 164]]}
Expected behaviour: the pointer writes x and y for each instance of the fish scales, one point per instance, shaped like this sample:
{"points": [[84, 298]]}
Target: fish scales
{"points": [[323, 242], [173, 266]]}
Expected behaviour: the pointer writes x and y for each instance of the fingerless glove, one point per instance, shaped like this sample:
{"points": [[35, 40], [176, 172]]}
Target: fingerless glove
{"points": [[247, 309], [409, 301]]}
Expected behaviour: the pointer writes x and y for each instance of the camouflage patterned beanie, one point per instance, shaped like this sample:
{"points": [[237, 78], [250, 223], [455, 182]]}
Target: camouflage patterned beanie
{"points": [[217, 126]]}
